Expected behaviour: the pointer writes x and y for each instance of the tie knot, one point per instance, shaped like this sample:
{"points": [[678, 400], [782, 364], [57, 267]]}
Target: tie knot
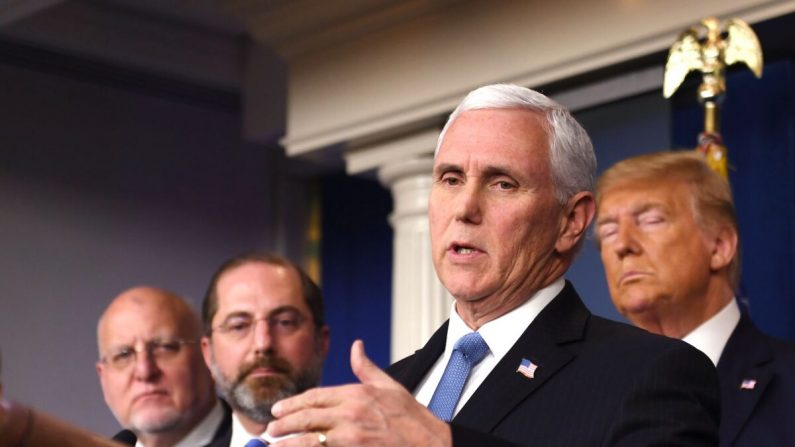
{"points": [[473, 347], [256, 443]]}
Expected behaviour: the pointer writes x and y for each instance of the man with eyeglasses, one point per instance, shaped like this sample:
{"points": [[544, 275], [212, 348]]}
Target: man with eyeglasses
{"points": [[152, 374], [265, 339]]}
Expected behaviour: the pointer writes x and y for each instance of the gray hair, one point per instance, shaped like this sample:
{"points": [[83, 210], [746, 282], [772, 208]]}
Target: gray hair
{"points": [[571, 156]]}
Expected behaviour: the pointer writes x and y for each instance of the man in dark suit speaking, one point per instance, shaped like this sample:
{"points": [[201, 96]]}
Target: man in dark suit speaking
{"points": [[667, 231], [521, 361]]}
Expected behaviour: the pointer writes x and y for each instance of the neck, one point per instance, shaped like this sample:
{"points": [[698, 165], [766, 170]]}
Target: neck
{"points": [[251, 426], [682, 318], [172, 437], [479, 312], [160, 439]]}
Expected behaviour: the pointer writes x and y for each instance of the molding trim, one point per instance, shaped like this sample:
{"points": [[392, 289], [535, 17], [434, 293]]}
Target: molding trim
{"points": [[389, 153], [432, 111]]}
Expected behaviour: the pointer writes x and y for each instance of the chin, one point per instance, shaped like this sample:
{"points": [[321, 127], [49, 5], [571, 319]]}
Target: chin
{"points": [[464, 287], [639, 310], [155, 420]]}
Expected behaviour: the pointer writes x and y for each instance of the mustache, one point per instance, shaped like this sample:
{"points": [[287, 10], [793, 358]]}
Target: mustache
{"points": [[278, 364]]}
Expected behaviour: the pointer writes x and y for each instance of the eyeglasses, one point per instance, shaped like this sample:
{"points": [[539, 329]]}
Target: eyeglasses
{"points": [[239, 327], [161, 350]]}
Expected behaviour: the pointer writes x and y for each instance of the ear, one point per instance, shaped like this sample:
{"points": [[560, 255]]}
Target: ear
{"points": [[724, 248], [578, 214], [100, 367], [207, 351], [325, 339]]}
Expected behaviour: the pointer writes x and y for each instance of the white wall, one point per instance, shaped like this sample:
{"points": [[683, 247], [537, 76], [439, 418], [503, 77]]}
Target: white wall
{"points": [[104, 185]]}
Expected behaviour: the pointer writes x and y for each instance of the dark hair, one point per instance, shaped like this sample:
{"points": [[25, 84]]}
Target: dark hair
{"points": [[309, 290]]}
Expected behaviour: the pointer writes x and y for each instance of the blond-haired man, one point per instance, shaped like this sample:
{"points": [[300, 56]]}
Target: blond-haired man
{"points": [[667, 231]]}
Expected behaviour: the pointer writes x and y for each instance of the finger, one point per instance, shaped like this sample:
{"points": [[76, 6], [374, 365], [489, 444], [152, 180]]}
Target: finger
{"points": [[304, 440], [314, 398], [303, 421], [368, 372]]}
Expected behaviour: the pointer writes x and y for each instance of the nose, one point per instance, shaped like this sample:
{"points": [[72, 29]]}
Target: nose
{"points": [[467, 204], [146, 368], [626, 242], [263, 342]]}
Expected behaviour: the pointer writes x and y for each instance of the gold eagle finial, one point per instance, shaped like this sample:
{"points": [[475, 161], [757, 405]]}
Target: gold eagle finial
{"points": [[711, 55]]}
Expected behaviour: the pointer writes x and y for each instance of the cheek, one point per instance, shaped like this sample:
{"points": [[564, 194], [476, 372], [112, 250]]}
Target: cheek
{"points": [[116, 391], [180, 383], [228, 358], [610, 265], [435, 223], [112, 389], [299, 350]]}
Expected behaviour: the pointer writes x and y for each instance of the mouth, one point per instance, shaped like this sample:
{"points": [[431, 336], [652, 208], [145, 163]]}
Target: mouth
{"points": [[631, 276], [265, 367], [464, 249], [265, 372], [154, 394]]}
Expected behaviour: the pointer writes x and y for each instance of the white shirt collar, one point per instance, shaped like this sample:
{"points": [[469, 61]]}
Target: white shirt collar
{"points": [[501, 333], [239, 434], [203, 432], [710, 337]]}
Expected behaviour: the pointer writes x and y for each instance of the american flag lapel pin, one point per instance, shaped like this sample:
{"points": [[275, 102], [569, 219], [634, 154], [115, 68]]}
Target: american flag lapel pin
{"points": [[527, 368], [748, 384]]}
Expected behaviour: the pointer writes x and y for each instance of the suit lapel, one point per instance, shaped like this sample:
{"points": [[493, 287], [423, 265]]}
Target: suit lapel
{"points": [[745, 357], [413, 369], [563, 320]]}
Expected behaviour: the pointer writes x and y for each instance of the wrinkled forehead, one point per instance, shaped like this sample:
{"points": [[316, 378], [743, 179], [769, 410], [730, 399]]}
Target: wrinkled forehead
{"points": [[639, 194], [487, 141], [258, 289], [130, 321]]}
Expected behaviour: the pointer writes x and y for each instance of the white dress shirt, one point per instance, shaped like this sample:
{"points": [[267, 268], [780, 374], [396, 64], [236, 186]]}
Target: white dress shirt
{"points": [[203, 432], [710, 337], [499, 334], [239, 434]]}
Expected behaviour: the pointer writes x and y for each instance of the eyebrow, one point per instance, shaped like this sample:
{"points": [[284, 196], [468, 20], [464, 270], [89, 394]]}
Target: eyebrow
{"points": [[497, 171], [488, 171], [275, 311], [446, 167], [640, 209]]}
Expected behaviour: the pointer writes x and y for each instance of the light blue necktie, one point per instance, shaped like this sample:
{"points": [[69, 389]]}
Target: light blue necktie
{"points": [[256, 443], [468, 351]]}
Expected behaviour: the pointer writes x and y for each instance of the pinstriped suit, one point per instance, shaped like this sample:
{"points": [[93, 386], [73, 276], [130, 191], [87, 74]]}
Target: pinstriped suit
{"points": [[598, 383]]}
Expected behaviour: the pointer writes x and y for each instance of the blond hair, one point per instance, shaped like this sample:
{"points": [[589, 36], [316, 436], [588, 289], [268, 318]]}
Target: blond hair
{"points": [[710, 193]]}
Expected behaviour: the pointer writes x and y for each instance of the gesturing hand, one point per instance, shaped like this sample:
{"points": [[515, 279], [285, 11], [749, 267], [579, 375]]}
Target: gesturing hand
{"points": [[377, 412]]}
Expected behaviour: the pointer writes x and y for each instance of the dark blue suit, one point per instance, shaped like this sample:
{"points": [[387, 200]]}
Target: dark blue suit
{"points": [[765, 414], [598, 383]]}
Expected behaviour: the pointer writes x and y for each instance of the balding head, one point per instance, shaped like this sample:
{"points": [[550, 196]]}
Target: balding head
{"points": [[151, 370], [139, 301]]}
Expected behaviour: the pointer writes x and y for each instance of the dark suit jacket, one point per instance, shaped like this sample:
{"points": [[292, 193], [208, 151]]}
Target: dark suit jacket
{"points": [[598, 383], [221, 438], [764, 415]]}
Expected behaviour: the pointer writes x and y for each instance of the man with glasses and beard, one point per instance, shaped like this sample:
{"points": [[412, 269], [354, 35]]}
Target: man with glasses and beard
{"points": [[265, 339]]}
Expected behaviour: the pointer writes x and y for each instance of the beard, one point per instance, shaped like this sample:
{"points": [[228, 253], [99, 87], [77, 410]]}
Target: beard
{"points": [[254, 396]]}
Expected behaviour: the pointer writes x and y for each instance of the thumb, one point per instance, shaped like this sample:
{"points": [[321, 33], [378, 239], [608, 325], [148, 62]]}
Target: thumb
{"points": [[366, 371]]}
